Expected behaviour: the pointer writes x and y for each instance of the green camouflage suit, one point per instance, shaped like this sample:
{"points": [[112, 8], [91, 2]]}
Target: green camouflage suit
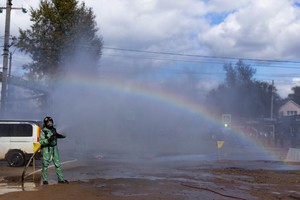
{"points": [[50, 153]]}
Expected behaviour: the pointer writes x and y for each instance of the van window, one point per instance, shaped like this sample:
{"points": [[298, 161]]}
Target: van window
{"points": [[15, 130]]}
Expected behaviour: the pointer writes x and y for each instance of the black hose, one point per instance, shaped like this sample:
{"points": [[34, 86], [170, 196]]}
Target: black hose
{"points": [[207, 189], [25, 168]]}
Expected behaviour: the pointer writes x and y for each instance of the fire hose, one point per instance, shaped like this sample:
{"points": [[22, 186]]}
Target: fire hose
{"points": [[213, 191], [27, 165]]}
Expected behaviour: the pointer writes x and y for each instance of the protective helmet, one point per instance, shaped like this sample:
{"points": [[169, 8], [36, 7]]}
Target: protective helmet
{"points": [[48, 121]]}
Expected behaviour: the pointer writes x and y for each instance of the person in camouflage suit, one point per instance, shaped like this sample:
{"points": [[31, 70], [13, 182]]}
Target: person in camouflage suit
{"points": [[48, 141]]}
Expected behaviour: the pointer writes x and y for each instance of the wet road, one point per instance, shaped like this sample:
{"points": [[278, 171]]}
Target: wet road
{"points": [[189, 169]]}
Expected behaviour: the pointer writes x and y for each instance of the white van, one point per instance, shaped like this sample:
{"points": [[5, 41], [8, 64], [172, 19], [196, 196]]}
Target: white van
{"points": [[17, 138]]}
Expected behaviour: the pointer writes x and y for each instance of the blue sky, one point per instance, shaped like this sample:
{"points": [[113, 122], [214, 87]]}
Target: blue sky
{"points": [[254, 29], [215, 18]]}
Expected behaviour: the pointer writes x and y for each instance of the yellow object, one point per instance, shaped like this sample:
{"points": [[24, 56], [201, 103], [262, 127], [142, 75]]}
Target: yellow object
{"points": [[220, 144], [36, 145], [38, 130]]}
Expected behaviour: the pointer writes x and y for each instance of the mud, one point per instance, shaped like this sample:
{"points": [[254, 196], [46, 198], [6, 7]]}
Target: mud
{"points": [[158, 177]]}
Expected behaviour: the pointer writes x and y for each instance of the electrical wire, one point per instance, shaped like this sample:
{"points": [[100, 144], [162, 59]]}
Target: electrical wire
{"points": [[216, 61], [139, 54], [212, 61], [201, 56]]}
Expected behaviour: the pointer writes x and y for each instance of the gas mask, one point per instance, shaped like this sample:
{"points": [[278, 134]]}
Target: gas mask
{"points": [[49, 124]]}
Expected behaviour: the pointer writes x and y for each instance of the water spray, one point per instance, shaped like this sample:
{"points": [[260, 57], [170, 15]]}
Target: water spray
{"points": [[51, 166], [24, 175]]}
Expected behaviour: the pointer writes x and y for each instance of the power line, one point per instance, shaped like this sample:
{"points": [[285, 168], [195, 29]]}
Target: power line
{"points": [[205, 61], [164, 59], [200, 56], [174, 73], [182, 72]]}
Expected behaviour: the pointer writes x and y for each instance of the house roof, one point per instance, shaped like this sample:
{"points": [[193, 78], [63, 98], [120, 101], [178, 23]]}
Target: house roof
{"points": [[290, 101]]}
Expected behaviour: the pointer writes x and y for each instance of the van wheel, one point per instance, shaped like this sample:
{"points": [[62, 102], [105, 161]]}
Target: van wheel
{"points": [[15, 158]]}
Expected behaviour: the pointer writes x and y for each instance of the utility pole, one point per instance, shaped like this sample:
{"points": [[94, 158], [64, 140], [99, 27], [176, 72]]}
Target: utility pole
{"points": [[272, 97], [8, 9], [5, 57]]}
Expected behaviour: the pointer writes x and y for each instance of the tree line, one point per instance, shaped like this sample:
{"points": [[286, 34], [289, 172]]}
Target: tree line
{"points": [[246, 98]]}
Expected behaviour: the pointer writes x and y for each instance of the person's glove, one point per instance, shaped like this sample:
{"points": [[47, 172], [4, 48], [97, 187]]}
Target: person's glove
{"points": [[58, 135], [51, 138]]}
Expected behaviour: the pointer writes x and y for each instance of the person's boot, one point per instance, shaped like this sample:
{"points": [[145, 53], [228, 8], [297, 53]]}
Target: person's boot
{"points": [[63, 182], [45, 182]]}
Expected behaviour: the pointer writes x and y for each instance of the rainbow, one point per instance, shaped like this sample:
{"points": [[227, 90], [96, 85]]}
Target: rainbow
{"points": [[161, 96]]}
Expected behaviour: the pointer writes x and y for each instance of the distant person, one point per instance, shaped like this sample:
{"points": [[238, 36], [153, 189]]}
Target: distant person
{"points": [[48, 140]]}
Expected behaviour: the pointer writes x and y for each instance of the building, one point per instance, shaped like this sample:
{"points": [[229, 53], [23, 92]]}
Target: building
{"points": [[290, 108]]}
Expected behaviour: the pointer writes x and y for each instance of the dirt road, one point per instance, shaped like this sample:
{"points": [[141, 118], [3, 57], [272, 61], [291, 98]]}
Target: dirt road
{"points": [[169, 177]]}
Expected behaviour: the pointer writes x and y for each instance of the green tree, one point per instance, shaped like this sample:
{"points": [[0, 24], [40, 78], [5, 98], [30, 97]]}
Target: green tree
{"points": [[295, 96], [241, 95], [240, 74], [61, 30]]}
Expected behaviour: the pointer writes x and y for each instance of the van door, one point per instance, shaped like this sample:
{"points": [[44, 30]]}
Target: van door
{"points": [[5, 134], [21, 137], [4, 146]]}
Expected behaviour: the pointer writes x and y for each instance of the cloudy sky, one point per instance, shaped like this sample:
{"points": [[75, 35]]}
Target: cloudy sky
{"points": [[199, 32]]}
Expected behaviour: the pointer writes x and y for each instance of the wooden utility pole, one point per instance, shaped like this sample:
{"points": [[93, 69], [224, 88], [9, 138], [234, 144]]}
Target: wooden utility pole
{"points": [[6, 45], [272, 99], [5, 57]]}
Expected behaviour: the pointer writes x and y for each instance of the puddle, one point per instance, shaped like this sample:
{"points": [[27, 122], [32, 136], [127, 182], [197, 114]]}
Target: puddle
{"points": [[7, 188], [294, 192]]}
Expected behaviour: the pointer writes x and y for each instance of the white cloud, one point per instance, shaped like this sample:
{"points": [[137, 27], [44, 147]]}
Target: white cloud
{"points": [[148, 23], [258, 29], [252, 28], [264, 29], [284, 88]]}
